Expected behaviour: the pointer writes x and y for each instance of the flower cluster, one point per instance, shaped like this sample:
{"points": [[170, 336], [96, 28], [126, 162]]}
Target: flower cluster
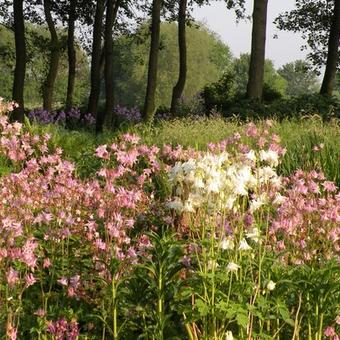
{"points": [[306, 227], [218, 181], [60, 117], [126, 114], [62, 329], [44, 206]]}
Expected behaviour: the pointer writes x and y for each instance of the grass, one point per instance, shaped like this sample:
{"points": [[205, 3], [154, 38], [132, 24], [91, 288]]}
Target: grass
{"points": [[298, 136]]}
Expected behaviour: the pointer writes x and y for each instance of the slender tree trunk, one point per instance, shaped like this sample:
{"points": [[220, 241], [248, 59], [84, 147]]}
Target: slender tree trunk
{"points": [[20, 60], [179, 87], [333, 53], [95, 61], [149, 106], [54, 58], [258, 45], [112, 7], [71, 55]]}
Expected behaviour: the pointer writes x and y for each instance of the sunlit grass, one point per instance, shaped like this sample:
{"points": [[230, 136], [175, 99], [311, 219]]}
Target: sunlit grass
{"points": [[300, 137]]}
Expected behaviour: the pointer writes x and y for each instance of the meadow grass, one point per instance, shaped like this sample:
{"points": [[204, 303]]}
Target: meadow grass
{"points": [[301, 137]]}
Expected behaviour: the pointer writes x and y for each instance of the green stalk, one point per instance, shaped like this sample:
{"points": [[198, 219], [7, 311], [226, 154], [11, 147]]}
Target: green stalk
{"points": [[114, 311], [160, 303]]}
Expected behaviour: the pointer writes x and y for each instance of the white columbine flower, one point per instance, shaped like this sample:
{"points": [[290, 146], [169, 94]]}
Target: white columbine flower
{"points": [[233, 267], [271, 285], [254, 234], [227, 244], [270, 156], [189, 166], [251, 155], [244, 245], [229, 335], [258, 202], [176, 204]]}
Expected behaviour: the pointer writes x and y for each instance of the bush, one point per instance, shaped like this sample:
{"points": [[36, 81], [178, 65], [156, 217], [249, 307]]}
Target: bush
{"points": [[295, 107]]}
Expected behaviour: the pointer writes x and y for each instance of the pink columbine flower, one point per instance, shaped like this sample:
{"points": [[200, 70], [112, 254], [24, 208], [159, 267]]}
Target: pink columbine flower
{"points": [[12, 332], [63, 281], [40, 312], [12, 277], [102, 152], [329, 186], [329, 331], [29, 280], [47, 263]]}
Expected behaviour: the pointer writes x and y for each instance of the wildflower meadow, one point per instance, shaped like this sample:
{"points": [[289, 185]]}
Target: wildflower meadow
{"points": [[165, 241]]}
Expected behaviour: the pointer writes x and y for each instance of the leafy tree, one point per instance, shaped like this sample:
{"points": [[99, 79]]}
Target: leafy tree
{"points": [[319, 23], [37, 40], [96, 57], [333, 52], [182, 46], [272, 78], [257, 56], [112, 7], [71, 52], [55, 52], [20, 57], [207, 59], [149, 105], [300, 78], [7, 62]]}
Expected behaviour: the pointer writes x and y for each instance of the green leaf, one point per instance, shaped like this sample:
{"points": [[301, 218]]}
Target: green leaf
{"points": [[202, 307]]}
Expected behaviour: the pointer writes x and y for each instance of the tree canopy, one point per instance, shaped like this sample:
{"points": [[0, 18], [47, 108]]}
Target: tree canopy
{"points": [[207, 57]]}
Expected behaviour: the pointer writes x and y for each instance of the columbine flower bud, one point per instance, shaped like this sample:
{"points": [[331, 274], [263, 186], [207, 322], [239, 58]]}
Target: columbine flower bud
{"points": [[271, 285], [244, 245], [229, 335], [233, 267]]}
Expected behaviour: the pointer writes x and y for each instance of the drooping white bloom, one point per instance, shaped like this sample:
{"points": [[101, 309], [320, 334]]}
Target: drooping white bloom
{"points": [[189, 166], [258, 202], [270, 156], [213, 186], [251, 156], [279, 199], [229, 335], [271, 285], [227, 243], [254, 234], [233, 267], [212, 264], [244, 245], [266, 174], [198, 183], [175, 204]]}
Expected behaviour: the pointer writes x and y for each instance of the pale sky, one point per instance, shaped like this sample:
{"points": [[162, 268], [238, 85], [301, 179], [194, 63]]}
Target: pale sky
{"points": [[238, 36]]}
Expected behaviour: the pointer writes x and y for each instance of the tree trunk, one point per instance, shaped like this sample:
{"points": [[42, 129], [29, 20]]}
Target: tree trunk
{"points": [[71, 55], [95, 61], [112, 7], [54, 58], [20, 60], [333, 53], [179, 87], [258, 45], [149, 106]]}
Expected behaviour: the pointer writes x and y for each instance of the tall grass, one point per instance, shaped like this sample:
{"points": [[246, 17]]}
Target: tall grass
{"points": [[310, 142]]}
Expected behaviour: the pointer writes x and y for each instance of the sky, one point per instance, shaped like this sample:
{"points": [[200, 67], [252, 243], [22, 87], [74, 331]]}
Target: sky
{"points": [[284, 49]]}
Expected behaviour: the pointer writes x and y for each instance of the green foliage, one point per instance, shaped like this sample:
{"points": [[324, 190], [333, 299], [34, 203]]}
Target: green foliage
{"points": [[312, 19], [294, 107], [207, 59], [300, 78], [299, 136], [37, 67], [231, 87], [271, 76]]}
